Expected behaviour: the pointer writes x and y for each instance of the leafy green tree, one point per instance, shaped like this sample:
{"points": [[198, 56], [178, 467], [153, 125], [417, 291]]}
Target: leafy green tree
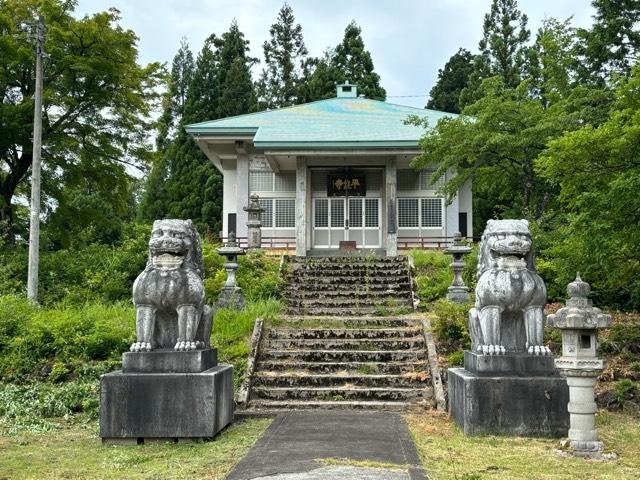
{"points": [[503, 48], [285, 55], [597, 171], [612, 45], [452, 79], [551, 64], [495, 143], [97, 105]]}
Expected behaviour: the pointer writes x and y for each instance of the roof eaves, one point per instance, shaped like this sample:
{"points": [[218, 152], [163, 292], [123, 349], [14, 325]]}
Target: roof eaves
{"points": [[343, 144]]}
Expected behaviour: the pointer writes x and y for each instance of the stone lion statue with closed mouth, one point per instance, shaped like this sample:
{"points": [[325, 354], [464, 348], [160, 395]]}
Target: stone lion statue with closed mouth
{"points": [[169, 294], [510, 295]]}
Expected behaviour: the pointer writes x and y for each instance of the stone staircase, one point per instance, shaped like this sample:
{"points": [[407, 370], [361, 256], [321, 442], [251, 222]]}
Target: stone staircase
{"points": [[342, 362], [346, 285]]}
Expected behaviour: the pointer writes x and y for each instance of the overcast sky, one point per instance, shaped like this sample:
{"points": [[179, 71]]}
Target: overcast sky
{"points": [[409, 40]]}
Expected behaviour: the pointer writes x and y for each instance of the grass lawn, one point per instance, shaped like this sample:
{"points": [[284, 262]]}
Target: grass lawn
{"points": [[76, 451], [447, 454]]}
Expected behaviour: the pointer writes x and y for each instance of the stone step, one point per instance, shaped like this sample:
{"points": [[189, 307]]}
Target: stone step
{"points": [[394, 368], [344, 343], [313, 293], [344, 304], [332, 311], [351, 321], [372, 277], [337, 287], [334, 333], [300, 379], [285, 405], [344, 355], [341, 393], [345, 260]]}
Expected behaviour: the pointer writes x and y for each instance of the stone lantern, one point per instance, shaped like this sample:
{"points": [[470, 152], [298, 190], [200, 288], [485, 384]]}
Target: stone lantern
{"points": [[458, 292], [231, 294], [579, 322], [254, 224]]}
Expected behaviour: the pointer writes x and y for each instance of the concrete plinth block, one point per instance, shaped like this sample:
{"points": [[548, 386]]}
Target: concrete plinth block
{"points": [[169, 361], [534, 406], [519, 365], [165, 405]]}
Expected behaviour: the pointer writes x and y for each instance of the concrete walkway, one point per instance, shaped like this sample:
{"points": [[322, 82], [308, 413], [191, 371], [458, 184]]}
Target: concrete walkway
{"points": [[294, 444]]}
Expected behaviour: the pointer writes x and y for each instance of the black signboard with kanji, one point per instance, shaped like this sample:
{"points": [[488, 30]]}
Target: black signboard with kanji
{"points": [[346, 185]]}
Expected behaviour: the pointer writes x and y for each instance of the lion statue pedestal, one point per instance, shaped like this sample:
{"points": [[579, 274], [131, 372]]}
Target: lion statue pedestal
{"points": [[509, 383], [171, 385]]}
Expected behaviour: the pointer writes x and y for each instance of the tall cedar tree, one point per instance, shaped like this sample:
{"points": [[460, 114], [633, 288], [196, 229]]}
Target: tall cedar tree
{"points": [[452, 79], [221, 86], [285, 57], [503, 49], [154, 201], [612, 45], [96, 118], [348, 61]]}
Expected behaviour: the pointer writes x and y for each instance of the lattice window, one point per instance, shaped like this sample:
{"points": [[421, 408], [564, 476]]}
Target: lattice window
{"points": [[337, 212], [431, 212], [285, 182], [425, 177], [321, 216], [285, 213], [371, 212], [261, 181], [355, 212], [266, 217], [407, 212]]}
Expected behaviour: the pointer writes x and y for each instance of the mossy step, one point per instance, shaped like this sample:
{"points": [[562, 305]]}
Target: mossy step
{"points": [[335, 333], [348, 288], [350, 321], [346, 343], [309, 294], [348, 367], [343, 260], [288, 405], [341, 380], [350, 302], [330, 312], [341, 393], [305, 355]]}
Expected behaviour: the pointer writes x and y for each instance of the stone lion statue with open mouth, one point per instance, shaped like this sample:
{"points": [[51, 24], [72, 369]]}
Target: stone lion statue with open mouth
{"points": [[169, 294], [510, 295]]}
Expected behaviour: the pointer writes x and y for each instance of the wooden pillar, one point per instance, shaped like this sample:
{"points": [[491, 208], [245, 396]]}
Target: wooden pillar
{"points": [[242, 189]]}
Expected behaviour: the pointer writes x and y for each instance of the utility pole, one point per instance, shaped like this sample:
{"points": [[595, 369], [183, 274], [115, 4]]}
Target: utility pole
{"points": [[34, 226]]}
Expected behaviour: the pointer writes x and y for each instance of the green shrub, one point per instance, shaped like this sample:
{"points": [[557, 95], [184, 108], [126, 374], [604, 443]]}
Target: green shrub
{"points": [[624, 388], [450, 325], [32, 337], [432, 274], [33, 406], [456, 359], [232, 333]]}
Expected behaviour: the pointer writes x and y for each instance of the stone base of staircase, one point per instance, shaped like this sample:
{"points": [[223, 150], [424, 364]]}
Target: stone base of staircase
{"points": [[375, 363]]}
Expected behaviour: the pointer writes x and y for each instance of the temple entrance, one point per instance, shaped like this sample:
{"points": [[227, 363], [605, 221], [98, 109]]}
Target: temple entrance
{"points": [[343, 218]]}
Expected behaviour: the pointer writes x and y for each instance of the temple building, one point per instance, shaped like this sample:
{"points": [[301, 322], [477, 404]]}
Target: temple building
{"points": [[332, 174]]}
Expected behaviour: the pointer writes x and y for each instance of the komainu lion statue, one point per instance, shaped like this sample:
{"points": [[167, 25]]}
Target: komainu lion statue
{"points": [[169, 293], [510, 295]]}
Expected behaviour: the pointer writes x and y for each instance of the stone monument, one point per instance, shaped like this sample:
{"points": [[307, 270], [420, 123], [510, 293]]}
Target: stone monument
{"points": [[171, 385], [458, 292], [254, 224], [231, 294], [579, 322], [509, 384]]}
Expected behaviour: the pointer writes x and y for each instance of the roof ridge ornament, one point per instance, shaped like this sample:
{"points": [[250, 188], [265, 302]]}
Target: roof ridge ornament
{"points": [[347, 90]]}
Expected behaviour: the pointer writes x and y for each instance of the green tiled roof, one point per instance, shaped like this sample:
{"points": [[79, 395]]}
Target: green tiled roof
{"points": [[335, 122]]}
